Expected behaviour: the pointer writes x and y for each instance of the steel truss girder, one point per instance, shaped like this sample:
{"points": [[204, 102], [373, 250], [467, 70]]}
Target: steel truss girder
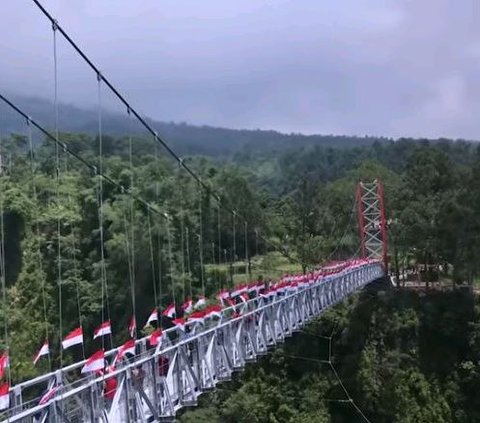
{"points": [[197, 363]]}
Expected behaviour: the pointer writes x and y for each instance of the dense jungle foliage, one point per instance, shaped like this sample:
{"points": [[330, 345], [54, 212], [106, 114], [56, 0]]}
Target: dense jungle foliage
{"points": [[403, 356]]}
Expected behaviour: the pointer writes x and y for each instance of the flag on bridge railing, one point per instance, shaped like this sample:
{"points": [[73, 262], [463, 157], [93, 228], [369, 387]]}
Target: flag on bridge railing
{"points": [[75, 337], [179, 323], [95, 362], [44, 350], [169, 311], [201, 302], [155, 337], [152, 318], [222, 296], [213, 311], [270, 292], [238, 290], [127, 348], [187, 306], [104, 329], [48, 395], [4, 396], [197, 316], [230, 302], [132, 327], [4, 364]]}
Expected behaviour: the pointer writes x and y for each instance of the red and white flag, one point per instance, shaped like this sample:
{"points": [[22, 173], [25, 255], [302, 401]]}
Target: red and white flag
{"points": [[222, 296], [127, 348], [201, 302], [155, 337], [75, 337], [197, 316], [104, 329], [152, 318], [179, 323], [260, 287], [187, 306], [4, 396], [214, 311], [132, 327], [239, 290], [169, 311], [44, 350], [268, 293], [4, 363], [236, 291], [230, 302], [47, 396], [95, 362]]}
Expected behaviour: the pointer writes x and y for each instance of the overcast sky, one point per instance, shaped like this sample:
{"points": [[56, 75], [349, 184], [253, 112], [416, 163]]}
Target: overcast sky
{"points": [[365, 67]]}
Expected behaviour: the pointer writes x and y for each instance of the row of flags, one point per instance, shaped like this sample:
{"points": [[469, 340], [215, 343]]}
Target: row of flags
{"points": [[197, 312]]}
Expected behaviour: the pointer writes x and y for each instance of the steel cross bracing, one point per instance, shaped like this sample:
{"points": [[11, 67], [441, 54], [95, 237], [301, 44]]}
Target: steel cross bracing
{"points": [[197, 361]]}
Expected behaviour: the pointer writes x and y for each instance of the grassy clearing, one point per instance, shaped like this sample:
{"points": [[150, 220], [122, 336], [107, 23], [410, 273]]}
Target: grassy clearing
{"points": [[269, 266]]}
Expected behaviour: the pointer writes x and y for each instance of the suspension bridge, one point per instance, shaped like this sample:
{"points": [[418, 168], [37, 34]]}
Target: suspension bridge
{"points": [[194, 346]]}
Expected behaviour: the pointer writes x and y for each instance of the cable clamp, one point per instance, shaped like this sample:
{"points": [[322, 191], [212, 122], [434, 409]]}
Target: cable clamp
{"points": [[54, 25]]}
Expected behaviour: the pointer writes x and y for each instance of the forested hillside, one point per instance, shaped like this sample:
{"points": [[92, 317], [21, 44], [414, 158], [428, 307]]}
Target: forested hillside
{"points": [[187, 139], [404, 357]]}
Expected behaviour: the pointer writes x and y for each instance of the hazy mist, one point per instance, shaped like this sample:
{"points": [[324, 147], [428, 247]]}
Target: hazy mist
{"points": [[378, 67]]}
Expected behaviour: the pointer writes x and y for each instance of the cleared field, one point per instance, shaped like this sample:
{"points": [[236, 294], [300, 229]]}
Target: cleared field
{"points": [[269, 266]]}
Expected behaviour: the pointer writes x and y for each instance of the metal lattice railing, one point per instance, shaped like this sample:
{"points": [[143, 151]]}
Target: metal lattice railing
{"points": [[162, 380]]}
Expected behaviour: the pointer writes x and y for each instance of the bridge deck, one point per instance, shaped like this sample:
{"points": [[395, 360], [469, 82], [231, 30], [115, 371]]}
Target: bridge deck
{"points": [[149, 389]]}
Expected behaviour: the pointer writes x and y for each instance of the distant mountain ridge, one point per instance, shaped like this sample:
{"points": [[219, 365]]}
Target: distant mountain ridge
{"points": [[187, 139]]}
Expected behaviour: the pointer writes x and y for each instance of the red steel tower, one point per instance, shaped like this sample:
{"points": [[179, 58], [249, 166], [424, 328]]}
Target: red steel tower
{"points": [[372, 221]]}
